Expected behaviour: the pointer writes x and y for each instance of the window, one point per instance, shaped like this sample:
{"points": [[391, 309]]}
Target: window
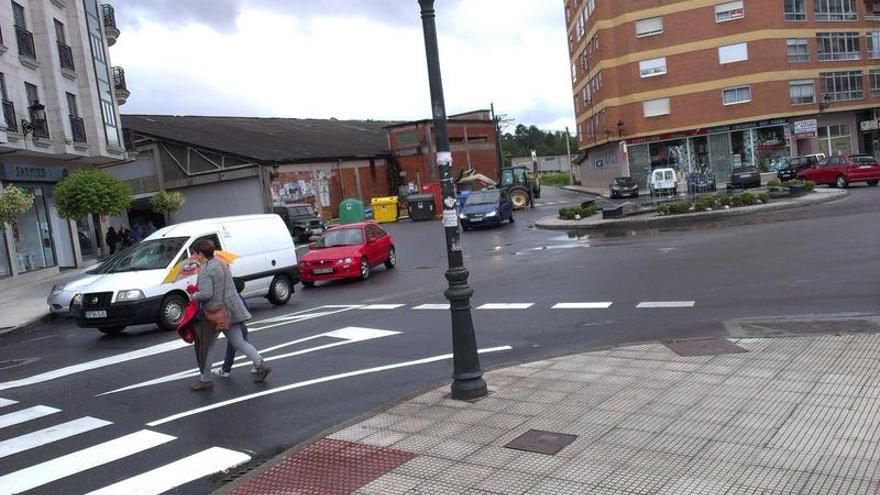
{"points": [[838, 46], [839, 86], [574, 73], [41, 127], [71, 105], [653, 67], [874, 75], [4, 96], [649, 27], [873, 39], [18, 16], [59, 32], [802, 92], [835, 10], [732, 96], [655, 108], [834, 140], [33, 94], [795, 10], [797, 50], [729, 11], [733, 53]]}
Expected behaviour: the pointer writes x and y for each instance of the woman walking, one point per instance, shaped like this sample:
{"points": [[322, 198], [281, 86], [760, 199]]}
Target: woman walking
{"points": [[215, 289]]}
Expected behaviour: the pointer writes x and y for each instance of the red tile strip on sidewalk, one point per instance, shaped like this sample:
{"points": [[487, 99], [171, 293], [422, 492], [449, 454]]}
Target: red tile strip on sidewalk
{"points": [[327, 467]]}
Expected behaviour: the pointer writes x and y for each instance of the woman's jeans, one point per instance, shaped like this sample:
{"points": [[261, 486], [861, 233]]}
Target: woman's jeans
{"points": [[230, 350], [235, 338]]}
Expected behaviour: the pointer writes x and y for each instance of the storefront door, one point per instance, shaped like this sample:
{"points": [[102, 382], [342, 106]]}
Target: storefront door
{"points": [[32, 234]]}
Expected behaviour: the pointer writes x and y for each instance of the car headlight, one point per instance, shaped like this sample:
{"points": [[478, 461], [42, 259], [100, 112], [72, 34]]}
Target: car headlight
{"points": [[462, 216], [491, 213], [57, 289], [130, 295], [341, 261], [77, 300]]}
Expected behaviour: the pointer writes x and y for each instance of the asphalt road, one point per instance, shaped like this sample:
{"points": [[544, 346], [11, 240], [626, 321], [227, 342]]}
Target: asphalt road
{"points": [[343, 349]]}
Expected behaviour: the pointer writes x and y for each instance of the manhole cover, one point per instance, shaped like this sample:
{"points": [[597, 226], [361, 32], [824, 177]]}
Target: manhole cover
{"points": [[704, 347], [541, 442]]}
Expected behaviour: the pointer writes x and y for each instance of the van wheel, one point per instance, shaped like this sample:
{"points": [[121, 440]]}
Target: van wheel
{"points": [[112, 330], [279, 291], [171, 311]]}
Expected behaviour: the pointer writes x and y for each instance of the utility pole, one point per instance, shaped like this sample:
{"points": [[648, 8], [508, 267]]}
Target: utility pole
{"points": [[467, 376], [497, 140]]}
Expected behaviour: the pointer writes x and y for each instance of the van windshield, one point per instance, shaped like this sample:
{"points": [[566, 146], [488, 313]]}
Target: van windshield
{"points": [[156, 254]]}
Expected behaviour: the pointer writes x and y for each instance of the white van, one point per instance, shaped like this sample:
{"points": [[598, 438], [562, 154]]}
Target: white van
{"points": [[129, 289], [663, 181]]}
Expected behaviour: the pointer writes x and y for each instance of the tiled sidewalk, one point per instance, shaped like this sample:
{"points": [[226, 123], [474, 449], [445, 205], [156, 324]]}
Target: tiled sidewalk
{"points": [[793, 415]]}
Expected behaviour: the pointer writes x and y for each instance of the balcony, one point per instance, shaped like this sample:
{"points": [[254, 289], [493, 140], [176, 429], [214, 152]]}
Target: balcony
{"points": [[25, 39], [110, 28], [9, 116], [65, 56], [78, 127], [122, 92]]}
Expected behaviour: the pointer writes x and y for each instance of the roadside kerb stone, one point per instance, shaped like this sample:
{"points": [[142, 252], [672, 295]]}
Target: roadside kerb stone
{"points": [[596, 222]]}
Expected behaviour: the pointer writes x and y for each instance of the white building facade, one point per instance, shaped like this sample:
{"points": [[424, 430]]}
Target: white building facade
{"points": [[60, 98]]}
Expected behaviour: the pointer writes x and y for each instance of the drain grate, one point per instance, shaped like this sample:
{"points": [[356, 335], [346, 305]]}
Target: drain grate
{"points": [[704, 347], [541, 442]]}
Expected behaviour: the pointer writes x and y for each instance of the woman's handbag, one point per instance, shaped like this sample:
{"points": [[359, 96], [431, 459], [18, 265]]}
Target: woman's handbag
{"points": [[217, 316]]}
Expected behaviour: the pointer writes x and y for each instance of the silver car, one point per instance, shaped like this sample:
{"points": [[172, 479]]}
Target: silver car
{"points": [[62, 294]]}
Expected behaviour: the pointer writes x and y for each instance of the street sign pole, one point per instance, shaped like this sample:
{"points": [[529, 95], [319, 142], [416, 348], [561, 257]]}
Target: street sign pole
{"points": [[467, 376]]}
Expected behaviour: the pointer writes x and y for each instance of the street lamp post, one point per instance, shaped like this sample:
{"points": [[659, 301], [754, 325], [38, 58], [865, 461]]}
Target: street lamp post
{"points": [[467, 376]]}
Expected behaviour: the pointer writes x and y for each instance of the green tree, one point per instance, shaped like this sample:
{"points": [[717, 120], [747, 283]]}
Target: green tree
{"points": [[523, 139], [13, 202], [167, 202], [91, 191]]}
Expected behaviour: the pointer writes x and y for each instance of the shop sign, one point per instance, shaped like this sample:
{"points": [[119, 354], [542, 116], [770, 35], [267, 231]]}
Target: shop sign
{"points": [[18, 172], [666, 137], [805, 128], [746, 125], [868, 125]]}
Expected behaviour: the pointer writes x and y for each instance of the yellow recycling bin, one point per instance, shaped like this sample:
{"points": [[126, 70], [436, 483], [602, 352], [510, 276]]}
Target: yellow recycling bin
{"points": [[384, 209]]}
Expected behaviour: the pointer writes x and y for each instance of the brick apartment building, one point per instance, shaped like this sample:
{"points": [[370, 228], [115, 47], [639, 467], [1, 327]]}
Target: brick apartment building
{"points": [[706, 86], [472, 139]]}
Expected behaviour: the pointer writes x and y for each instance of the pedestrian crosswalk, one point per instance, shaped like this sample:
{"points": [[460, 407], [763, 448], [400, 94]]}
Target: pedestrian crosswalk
{"points": [[497, 306], [100, 455]]}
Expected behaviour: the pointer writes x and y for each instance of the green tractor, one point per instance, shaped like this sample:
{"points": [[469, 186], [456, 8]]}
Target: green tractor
{"points": [[521, 185]]}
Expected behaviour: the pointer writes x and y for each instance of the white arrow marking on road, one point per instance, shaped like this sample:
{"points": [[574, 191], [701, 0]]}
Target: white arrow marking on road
{"points": [[177, 473], [433, 307], [24, 415], [315, 381], [348, 335], [666, 304], [166, 347], [50, 434], [588, 305], [77, 462], [507, 306]]}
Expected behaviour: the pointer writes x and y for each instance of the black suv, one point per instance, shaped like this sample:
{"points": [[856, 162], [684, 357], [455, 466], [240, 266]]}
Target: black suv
{"points": [[795, 165], [301, 220]]}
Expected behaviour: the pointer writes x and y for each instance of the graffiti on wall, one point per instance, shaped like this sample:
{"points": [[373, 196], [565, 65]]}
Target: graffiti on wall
{"points": [[302, 187]]}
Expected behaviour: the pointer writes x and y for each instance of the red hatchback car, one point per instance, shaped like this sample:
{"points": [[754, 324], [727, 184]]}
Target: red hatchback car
{"points": [[347, 251], [841, 171]]}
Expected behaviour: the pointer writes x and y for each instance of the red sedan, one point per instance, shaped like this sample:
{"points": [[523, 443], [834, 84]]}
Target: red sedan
{"points": [[347, 251], [841, 171]]}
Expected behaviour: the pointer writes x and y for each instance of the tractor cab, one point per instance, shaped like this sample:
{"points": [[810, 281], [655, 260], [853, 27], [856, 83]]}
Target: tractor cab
{"points": [[521, 186]]}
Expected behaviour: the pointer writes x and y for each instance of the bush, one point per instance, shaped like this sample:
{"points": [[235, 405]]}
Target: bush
{"points": [[166, 202], [809, 185], [764, 197], [566, 213], [555, 179], [680, 207], [774, 185], [663, 209], [704, 203], [736, 200], [13, 202], [724, 200], [748, 198], [573, 212]]}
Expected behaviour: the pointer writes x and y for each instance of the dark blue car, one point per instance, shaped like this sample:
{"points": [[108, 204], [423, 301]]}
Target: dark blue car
{"points": [[486, 208]]}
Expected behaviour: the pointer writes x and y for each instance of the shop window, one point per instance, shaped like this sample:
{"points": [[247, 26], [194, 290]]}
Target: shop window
{"points": [[840, 86], [656, 108], [875, 82], [771, 148], [32, 236], [649, 27], [733, 96], [653, 67], [797, 50], [5, 269], [795, 10], [837, 46], [729, 11], [835, 10], [802, 92], [835, 140], [733, 53]]}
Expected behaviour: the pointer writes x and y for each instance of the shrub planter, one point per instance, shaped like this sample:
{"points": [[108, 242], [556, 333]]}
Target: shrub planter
{"points": [[615, 212], [797, 189]]}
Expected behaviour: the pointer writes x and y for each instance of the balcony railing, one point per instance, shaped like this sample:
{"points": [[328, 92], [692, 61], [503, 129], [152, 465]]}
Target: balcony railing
{"points": [[78, 127], [110, 27], [41, 127], [9, 116], [25, 40], [65, 55], [122, 92]]}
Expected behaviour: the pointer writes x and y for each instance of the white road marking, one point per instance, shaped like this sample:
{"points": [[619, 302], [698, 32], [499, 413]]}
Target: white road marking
{"points": [[584, 305], [24, 415], [507, 306], [292, 386], [82, 460], [7, 402], [382, 306], [49, 435], [170, 346], [349, 335], [433, 307], [177, 473], [666, 304]]}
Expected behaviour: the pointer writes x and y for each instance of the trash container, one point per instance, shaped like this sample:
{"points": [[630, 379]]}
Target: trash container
{"points": [[384, 209], [351, 211], [421, 207]]}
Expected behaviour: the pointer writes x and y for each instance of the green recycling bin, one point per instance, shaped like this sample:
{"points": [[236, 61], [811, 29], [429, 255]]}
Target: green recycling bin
{"points": [[351, 211]]}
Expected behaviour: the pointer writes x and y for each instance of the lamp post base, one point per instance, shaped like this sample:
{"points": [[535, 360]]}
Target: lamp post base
{"points": [[468, 389]]}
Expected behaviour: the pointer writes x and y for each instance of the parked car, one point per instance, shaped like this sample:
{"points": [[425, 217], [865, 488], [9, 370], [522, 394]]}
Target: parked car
{"points": [[62, 294], [744, 178], [841, 171], [624, 187], [797, 164], [301, 220], [663, 181], [347, 251], [487, 208], [130, 290], [699, 183]]}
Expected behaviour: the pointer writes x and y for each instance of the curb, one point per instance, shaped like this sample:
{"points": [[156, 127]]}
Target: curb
{"points": [[671, 220], [581, 191], [44, 318]]}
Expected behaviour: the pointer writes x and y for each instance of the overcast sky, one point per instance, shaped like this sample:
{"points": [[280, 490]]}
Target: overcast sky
{"points": [[361, 59]]}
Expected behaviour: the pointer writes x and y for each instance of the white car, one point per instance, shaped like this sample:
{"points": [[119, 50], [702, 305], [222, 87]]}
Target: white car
{"points": [[129, 289], [663, 181]]}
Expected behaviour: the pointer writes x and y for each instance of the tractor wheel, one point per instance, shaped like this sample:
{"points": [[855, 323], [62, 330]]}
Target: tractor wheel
{"points": [[519, 198]]}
